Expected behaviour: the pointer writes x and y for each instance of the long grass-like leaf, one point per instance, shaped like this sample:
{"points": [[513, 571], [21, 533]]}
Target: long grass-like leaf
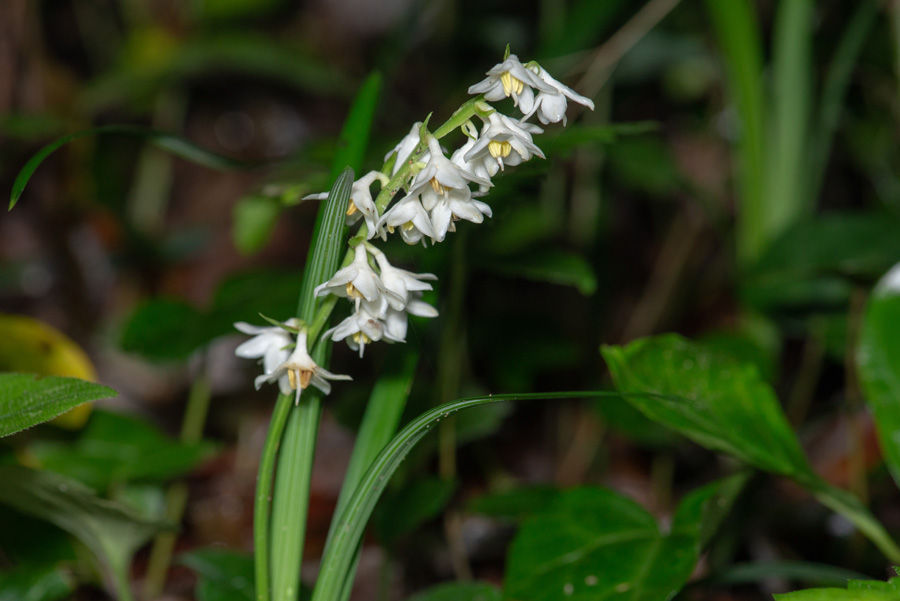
{"points": [[738, 32], [834, 90], [785, 198], [180, 147], [351, 523]]}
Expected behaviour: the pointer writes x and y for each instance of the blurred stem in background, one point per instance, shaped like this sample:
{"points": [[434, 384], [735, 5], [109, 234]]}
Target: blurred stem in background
{"points": [[176, 498], [452, 357]]}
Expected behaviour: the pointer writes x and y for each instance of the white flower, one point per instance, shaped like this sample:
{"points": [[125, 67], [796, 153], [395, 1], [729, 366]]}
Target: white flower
{"points": [[511, 78], [401, 283], [452, 207], [507, 141], [356, 281], [441, 176], [270, 344], [411, 217], [483, 168], [551, 106], [359, 329], [405, 147], [301, 371], [361, 202], [396, 323]]}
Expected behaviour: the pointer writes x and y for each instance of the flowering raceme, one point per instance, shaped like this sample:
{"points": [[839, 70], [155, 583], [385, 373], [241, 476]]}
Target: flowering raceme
{"points": [[423, 194]]}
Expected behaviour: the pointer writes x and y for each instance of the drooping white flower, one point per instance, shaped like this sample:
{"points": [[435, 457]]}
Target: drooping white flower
{"points": [[396, 322], [411, 217], [400, 282], [405, 147], [483, 168], [269, 343], [361, 202], [551, 106], [441, 177], [301, 371], [359, 329], [506, 141], [356, 281], [451, 208], [511, 78]]}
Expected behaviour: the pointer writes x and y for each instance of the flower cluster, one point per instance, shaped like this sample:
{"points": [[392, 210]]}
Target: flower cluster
{"points": [[383, 295], [433, 191]]}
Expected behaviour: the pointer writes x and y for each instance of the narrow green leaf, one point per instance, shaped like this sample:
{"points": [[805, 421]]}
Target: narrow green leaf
{"points": [[352, 521], [738, 32], [354, 137], [803, 571], [180, 147], [111, 531], [834, 90], [459, 591], [878, 361], [710, 398], [593, 543], [554, 266], [291, 494], [786, 197], [26, 400], [857, 590]]}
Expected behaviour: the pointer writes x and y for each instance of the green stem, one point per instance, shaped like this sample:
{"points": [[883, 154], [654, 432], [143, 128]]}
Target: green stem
{"points": [[121, 582], [263, 489], [176, 497], [850, 507]]}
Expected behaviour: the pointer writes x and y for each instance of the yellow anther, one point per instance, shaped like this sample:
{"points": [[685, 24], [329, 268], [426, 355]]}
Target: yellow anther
{"points": [[408, 226], [352, 292], [390, 229], [436, 186], [499, 149], [305, 377], [360, 338], [511, 84], [351, 208]]}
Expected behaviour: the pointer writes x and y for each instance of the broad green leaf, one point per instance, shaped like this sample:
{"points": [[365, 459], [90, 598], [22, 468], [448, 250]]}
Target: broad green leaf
{"points": [[554, 266], [116, 448], [223, 575], [111, 531], [593, 543], [710, 398], [645, 164], [26, 400], [254, 218], [405, 509], [163, 329], [180, 147], [878, 361], [857, 590], [515, 504], [459, 591], [725, 405], [30, 346], [35, 584], [816, 262]]}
